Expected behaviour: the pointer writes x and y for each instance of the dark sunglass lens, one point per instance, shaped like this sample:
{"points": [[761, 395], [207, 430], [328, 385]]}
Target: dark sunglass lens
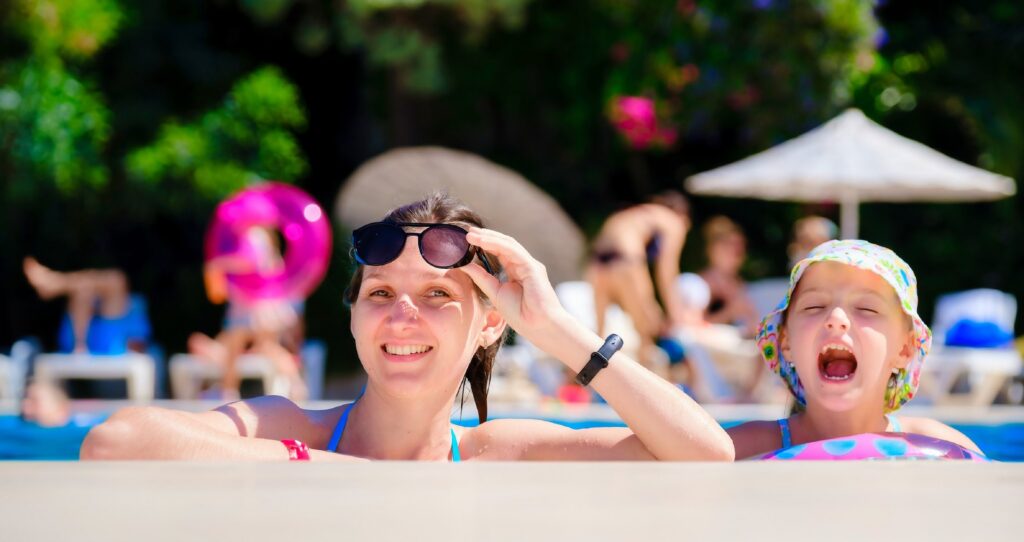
{"points": [[444, 246], [378, 244]]}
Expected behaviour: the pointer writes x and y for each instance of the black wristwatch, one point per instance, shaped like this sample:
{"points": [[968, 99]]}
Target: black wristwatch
{"points": [[599, 359]]}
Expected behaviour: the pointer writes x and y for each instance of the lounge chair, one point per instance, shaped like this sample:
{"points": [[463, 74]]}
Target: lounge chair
{"points": [[14, 368], [139, 370], [988, 369], [188, 372], [765, 294]]}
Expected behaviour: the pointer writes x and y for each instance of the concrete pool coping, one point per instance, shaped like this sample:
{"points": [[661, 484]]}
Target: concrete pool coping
{"points": [[511, 501]]}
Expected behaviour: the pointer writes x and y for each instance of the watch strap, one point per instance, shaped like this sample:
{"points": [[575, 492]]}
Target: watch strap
{"points": [[599, 360]]}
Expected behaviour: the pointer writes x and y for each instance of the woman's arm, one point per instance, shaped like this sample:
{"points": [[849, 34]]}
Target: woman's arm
{"points": [[670, 425], [249, 430], [939, 430]]}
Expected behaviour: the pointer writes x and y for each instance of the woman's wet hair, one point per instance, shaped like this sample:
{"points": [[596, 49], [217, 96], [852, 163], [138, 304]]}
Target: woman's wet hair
{"points": [[440, 208]]}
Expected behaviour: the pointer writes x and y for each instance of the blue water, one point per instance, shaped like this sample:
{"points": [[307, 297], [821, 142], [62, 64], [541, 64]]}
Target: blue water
{"points": [[20, 440], [27, 441]]}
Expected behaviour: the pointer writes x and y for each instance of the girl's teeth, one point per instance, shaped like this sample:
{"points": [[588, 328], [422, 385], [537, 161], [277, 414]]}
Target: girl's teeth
{"points": [[828, 347]]}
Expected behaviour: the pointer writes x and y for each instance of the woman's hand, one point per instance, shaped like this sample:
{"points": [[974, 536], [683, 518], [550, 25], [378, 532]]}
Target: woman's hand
{"points": [[526, 300]]}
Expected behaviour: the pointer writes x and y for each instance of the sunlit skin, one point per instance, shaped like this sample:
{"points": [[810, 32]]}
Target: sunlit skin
{"points": [[840, 305], [408, 302], [416, 329]]}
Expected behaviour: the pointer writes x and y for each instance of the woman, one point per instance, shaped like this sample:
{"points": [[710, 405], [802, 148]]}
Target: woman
{"points": [[726, 251], [629, 241], [426, 317]]}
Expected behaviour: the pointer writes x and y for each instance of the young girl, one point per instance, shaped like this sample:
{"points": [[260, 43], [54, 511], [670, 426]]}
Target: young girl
{"points": [[849, 344]]}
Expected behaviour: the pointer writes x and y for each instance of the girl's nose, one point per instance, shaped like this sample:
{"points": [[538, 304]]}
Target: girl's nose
{"points": [[837, 320]]}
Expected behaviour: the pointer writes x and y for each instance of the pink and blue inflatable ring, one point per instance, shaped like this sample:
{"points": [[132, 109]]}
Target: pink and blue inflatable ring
{"points": [[875, 446]]}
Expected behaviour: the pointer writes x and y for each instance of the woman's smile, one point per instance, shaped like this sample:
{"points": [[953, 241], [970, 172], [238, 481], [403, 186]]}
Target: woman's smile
{"points": [[405, 353]]}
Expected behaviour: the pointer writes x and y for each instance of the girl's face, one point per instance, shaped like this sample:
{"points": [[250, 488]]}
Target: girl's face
{"points": [[845, 333], [417, 327]]}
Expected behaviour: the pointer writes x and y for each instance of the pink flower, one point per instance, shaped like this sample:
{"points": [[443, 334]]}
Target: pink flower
{"points": [[635, 119]]}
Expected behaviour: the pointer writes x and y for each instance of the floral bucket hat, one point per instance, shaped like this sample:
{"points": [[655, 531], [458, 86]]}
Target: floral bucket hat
{"points": [[886, 264]]}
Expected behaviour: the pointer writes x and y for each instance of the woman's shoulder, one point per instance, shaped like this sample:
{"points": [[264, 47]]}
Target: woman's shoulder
{"points": [[934, 428], [276, 417], [510, 439], [755, 437], [499, 440]]}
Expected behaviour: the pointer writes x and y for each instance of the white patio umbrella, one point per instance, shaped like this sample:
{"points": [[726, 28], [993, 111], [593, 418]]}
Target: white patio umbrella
{"points": [[849, 160], [506, 200]]}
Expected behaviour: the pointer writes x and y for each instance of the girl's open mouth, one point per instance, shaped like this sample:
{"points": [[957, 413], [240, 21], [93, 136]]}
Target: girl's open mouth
{"points": [[836, 363]]}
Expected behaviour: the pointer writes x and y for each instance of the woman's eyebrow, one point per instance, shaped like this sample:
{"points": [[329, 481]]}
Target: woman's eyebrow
{"points": [[382, 275]]}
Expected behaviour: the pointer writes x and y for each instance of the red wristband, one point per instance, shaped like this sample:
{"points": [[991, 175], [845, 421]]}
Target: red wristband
{"points": [[297, 450]]}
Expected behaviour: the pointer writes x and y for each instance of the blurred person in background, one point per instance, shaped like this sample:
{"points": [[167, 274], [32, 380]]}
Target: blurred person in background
{"points": [[272, 328], [809, 232], [726, 247], [629, 243], [101, 318]]}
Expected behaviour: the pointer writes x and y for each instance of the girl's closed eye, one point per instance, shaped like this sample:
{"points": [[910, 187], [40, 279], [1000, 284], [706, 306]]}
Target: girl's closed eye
{"points": [[811, 305]]}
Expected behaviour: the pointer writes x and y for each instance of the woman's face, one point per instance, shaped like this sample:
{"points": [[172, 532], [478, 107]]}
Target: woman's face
{"points": [[845, 332], [417, 327], [728, 252]]}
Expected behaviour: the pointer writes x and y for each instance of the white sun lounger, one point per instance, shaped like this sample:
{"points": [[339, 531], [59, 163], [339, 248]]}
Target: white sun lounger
{"points": [[137, 369], [8, 378], [987, 369], [188, 372]]}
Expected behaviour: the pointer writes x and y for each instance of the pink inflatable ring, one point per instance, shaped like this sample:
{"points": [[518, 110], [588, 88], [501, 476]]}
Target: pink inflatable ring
{"points": [[875, 446], [303, 226]]}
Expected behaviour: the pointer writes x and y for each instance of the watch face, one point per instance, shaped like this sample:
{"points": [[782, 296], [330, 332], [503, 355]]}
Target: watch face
{"points": [[611, 345]]}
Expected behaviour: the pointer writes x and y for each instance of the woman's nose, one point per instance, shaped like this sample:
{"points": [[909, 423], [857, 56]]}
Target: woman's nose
{"points": [[837, 320], [405, 309]]}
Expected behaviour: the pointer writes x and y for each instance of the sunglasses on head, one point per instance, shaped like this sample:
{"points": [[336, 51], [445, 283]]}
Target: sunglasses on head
{"points": [[441, 245]]}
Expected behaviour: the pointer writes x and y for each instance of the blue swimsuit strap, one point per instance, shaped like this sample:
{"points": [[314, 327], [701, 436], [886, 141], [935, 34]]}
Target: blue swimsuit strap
{"points": [[787, 438], [339, 429]]}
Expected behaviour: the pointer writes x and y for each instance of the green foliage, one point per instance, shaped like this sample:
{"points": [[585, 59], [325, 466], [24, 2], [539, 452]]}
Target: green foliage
{"points": [[402, 36], [53, 126], [246, 139], [67, 28], [775, 68]]}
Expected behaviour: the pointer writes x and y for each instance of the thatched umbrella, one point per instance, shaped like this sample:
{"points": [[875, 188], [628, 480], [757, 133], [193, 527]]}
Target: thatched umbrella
{"points": [[851, 159], [508, 202]]}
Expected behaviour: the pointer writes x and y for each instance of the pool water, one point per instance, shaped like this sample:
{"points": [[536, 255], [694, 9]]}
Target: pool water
{"points": [[21, 440]]}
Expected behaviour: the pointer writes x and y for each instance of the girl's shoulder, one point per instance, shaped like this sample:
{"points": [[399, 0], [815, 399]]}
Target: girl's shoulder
{"points": [[936, 429], [756, 437]]}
